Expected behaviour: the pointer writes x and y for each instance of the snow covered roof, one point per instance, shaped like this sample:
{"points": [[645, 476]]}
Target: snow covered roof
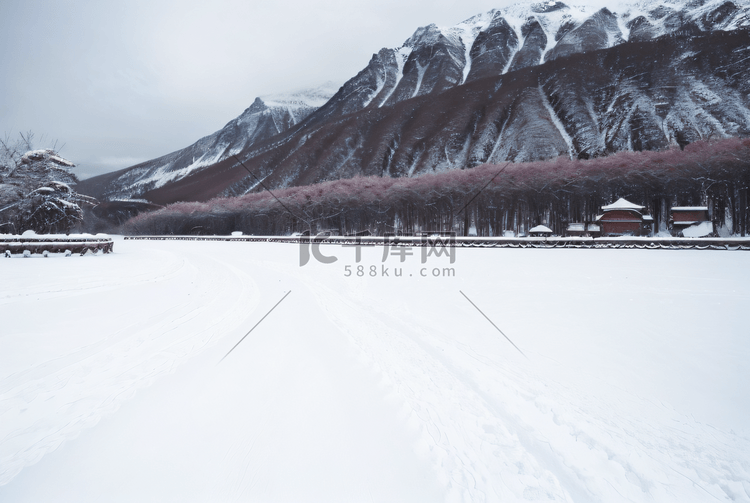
{"points": [[648, 218], [540, 228], [576, 227], [690, 208], [623, 204], [594, 228]]}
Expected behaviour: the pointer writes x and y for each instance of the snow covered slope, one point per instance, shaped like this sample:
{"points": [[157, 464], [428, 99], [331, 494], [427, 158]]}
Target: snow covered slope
{"points": [[374, 388], [634, 96], [540, 45], [437, 58], [267, 116]]}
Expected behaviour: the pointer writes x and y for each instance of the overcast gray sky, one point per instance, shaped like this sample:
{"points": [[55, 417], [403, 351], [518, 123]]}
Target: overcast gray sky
{"points": [[122, 82]]}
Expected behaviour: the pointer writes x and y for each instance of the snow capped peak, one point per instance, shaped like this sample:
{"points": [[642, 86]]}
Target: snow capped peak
{"points": [[550, 6], [547, 12], [552, 14], [315, 97], [425, 35], [266, 117], [614, 25], [292, 101], [463, 33], [297, 104], [478, 22], [710, 14]]}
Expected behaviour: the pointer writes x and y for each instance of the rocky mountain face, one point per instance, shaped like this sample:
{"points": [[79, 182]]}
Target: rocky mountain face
{"points": [[521, 83]]}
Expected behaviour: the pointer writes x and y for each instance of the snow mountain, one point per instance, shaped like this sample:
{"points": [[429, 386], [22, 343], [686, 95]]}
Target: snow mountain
{"points": [[522, 83], [435, 59], [266, 117]]}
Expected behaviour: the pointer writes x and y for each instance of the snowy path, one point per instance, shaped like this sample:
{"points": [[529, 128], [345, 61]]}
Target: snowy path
{"points": [[374, 388]]}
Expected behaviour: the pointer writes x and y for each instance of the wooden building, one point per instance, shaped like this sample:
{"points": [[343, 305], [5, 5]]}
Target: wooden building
{"points": [[623, 218], [583, 229], [575, 229], [686, 216]]}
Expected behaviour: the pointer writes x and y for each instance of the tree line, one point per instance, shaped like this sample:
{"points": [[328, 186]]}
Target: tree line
{"points": [[487, 200]]}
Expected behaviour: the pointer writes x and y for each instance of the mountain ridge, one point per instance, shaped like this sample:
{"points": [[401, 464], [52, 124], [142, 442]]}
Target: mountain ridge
{"points": [[435, 60], [267, 116]]}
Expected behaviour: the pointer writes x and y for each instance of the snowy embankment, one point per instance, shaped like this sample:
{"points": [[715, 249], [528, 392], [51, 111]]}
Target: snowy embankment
{"points": [[633, 386], [31, 243]]}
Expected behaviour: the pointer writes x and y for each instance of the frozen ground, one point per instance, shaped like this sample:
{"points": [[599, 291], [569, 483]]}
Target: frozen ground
{"points": [[113, 387]]}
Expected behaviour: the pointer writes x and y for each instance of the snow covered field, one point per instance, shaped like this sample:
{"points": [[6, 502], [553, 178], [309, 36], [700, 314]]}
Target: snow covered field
{"points": [[634, 385]]}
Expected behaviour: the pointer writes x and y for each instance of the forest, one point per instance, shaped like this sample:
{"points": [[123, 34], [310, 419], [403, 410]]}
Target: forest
{"points": [[488, 200]]}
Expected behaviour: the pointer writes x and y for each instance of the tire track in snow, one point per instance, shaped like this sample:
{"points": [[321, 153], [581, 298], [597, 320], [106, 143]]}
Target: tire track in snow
{"points": [[574, 435], [471, 447], [489, 420]]}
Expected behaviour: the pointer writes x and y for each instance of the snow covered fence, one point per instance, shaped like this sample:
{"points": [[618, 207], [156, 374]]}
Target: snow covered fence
{"points": [[59, 244], [649, 243]]}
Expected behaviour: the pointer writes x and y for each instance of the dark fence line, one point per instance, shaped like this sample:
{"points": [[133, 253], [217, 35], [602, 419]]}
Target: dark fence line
{"points": [[649, 243]]}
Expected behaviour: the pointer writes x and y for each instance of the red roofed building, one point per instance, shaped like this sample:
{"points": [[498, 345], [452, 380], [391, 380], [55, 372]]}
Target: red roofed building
{"points": [[686, 216], [624, 218]]}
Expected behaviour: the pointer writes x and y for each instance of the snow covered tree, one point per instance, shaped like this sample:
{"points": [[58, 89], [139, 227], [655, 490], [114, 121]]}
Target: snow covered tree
{"points": [[35, 190], [51, 209]]}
